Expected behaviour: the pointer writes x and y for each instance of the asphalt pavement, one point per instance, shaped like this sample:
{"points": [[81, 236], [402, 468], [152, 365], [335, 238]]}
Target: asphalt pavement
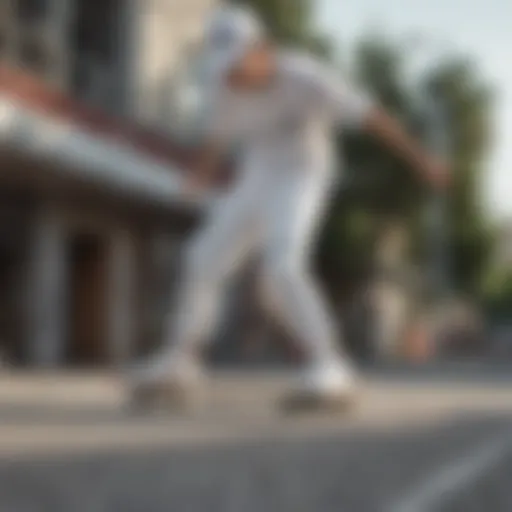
{"points": [[420, 440]]}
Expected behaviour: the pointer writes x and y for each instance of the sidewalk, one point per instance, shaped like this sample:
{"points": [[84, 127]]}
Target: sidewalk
{"points": [[67, 444]]}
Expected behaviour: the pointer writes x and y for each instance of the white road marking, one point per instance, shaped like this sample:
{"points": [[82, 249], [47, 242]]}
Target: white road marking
{"points": [[453, 477]]}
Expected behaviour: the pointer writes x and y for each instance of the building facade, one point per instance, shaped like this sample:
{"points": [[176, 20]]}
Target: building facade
{"points": [[120, 55], [91, 215]]}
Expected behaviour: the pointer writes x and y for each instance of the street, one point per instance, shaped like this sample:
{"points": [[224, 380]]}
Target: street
{"points": [[418, 441]]}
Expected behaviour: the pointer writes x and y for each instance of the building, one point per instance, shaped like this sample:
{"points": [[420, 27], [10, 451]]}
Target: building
{"points": [[90, 210], [120, 55]]}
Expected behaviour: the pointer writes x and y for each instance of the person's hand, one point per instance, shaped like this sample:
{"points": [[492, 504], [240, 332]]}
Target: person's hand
{"points": [[201, 175], [195, 186], [436, 173]]}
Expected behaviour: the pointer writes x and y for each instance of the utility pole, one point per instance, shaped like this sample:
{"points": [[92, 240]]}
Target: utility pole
{"points": [[438, 138]]}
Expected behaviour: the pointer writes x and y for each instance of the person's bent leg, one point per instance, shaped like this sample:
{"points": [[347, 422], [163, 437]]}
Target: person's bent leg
{"points": [[208, 259], [290, 289], [294, 297], [294, 211]]}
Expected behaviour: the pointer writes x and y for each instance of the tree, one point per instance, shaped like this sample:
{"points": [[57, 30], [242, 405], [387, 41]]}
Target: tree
{"points": [[382, 188], [289, 22], [379, 187]]}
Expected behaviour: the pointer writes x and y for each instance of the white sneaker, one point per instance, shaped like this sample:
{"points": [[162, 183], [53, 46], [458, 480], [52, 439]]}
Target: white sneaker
{"points": [[327, 378], [166, 378], [164, 367], [326, 385]]}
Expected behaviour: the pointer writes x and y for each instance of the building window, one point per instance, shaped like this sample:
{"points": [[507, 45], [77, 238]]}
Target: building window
{"points": [[5, 23], [94, 28], [33, 54], [28, 12], [3, 44], [96, 43], [28, 25]]}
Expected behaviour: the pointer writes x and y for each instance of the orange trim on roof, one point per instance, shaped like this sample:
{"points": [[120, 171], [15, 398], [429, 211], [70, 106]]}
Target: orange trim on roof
{"points": [[33, 93]]}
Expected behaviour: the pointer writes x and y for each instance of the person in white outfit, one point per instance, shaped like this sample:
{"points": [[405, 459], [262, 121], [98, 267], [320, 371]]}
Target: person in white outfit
{"points": [[279, 108]]}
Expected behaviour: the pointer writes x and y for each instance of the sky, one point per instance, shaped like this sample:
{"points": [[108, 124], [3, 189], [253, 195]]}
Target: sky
{"points": [[481, 29]]}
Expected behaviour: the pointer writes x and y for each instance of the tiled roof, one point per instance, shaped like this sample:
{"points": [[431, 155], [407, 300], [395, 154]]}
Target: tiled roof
{"points": [[39, 97]]}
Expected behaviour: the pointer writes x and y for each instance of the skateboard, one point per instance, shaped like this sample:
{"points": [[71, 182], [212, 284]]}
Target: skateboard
{"points": [[165, 396], [313, 403]]}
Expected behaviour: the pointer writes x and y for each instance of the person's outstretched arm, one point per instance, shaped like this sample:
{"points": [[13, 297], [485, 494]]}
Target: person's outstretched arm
{"points": [[206, 166], [391, 132], [352, 108]]}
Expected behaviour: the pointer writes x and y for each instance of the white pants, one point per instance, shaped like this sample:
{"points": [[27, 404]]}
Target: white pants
{"points": [[275, 213]]}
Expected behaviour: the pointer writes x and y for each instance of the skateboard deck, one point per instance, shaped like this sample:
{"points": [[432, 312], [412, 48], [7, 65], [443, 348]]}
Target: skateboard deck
{"points": [[161, 396], [313, 403]]}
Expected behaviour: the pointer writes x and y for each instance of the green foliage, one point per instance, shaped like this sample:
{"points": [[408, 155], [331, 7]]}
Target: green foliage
{"points": [[468, 101], [498, 293], [345, 255], [289, 23], [385, 186]]}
